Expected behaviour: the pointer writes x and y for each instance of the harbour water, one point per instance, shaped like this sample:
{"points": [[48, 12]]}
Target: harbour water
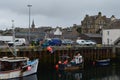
{"points": [[111, 72]]}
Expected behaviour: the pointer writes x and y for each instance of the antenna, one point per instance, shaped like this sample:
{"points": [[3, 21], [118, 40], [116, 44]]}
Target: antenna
{"points": [[14, 53]]}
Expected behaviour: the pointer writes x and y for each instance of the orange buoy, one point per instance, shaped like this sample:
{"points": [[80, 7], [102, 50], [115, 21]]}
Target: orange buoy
{"points": [[50, 49], [56, 66]]}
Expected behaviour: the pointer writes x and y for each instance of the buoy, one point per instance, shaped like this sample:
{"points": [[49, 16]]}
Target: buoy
{"points": [[50, 49], [29, 68], [59, 62], [66, 61], [56, 66]]}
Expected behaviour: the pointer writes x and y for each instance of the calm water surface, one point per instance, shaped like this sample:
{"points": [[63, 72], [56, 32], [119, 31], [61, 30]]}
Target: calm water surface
{"points": [[90, 73]]}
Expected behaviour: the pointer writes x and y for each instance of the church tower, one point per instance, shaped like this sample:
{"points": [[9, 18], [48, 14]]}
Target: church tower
{"points": [[33, 26]]}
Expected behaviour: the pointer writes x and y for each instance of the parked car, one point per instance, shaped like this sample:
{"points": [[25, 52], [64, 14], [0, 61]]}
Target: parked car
{"points": [[55, 42], [80, 42], [18, 42], [85, 42], [67, 42], [90, 42]]}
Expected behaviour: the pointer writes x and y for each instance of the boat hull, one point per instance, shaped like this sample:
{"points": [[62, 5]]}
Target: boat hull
{"points": [[19, 72], [103, 62], [70, 67]]}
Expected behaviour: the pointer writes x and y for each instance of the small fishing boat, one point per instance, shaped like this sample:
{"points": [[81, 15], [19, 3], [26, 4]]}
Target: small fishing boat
{"points": [[70, 65], [13, 67], [102, 62]]}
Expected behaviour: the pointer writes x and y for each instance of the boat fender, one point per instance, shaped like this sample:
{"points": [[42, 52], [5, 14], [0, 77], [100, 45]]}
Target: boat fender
{"points": [[59, 62], [56, 66], [29, 68], [65, 62], [26, 68]]}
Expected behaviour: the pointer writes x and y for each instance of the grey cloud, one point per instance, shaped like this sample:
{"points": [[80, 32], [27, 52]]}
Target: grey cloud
{"points": [[56, 12]]}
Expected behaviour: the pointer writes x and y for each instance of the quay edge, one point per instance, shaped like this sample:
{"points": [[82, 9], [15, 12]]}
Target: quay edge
{"points": [[89, 53]]}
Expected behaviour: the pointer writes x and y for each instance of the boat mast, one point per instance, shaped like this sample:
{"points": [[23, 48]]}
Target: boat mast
{"points": [[14, 46]]}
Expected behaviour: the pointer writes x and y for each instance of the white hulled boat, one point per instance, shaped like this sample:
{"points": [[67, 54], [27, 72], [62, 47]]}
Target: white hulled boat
{"points": [[13, 67]]}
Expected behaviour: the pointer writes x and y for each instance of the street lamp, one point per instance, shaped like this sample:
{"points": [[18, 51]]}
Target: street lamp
{"points": [[29, 6]]}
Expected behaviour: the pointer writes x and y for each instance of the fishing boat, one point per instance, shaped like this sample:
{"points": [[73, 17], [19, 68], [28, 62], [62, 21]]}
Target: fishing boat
{"points": [[13, 67], [70, 65]]}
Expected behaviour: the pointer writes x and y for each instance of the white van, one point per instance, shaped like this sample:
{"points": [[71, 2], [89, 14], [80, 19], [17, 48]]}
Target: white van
{"points": [[18, 42], [81, 42]]}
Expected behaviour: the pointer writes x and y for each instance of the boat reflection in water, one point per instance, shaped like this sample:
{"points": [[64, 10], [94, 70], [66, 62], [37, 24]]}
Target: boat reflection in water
{"points": [[66, 75], [102, 73], [92, 73], [30, 77]]}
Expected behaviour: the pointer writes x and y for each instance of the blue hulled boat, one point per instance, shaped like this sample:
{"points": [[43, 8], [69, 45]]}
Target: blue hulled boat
{"points": [[103, 62]]}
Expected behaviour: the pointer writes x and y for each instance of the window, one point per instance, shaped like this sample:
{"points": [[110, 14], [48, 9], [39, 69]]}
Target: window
{"points": [[107, 32], [108, 41]]}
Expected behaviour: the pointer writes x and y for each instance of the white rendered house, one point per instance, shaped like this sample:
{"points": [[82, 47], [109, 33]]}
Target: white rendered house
{"points": [[110, 36], [58, 32]]}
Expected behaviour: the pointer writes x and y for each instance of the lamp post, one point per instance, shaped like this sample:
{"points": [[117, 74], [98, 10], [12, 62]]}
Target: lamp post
{"points": [[29, 6]]}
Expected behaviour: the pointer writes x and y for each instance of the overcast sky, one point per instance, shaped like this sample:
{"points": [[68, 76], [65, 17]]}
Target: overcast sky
{"points": [[62, 13]]}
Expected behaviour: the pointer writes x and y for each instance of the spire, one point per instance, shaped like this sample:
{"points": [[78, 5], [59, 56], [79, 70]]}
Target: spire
{"points": [[33, 26]]}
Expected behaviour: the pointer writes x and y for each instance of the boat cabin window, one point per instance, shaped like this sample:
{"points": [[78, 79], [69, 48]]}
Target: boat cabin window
{"points": [[6, 66]]}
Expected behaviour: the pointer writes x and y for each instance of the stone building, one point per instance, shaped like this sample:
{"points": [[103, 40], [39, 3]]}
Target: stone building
{"points": [[70, 32], [95, 24], [35, 32]]}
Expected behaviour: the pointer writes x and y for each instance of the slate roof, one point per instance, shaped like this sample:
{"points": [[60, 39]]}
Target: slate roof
{"points": [[93, 35], [114, 24]]}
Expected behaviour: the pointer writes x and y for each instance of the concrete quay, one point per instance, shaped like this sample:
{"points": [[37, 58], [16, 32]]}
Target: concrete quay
{"points": [[89, 53]]}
